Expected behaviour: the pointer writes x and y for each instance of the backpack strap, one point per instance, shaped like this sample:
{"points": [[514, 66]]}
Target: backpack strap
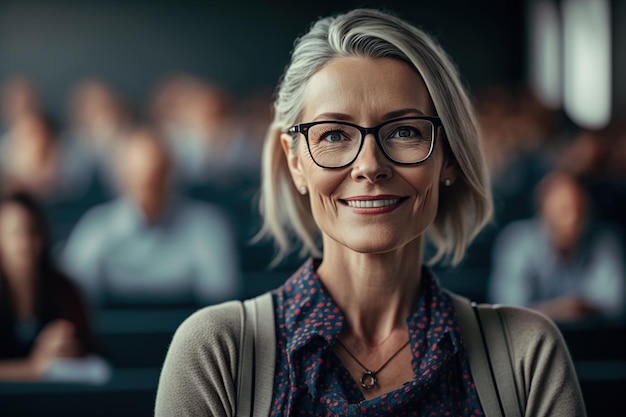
{"points": [[489, 357], [499, 351], [257, 353]]}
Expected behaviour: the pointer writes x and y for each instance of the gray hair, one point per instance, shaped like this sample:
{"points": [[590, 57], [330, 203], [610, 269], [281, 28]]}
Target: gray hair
{"points": [[464, 208]]}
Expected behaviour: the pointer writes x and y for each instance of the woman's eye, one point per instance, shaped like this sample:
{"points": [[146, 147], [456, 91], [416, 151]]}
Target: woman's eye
{"points": [[405, 132], [332, 137]]}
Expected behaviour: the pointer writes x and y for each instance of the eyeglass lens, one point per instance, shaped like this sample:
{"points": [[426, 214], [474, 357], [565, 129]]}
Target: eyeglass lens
{"points": [[405, 141]]}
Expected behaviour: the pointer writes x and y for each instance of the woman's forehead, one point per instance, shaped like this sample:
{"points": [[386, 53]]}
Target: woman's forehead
{"points": [[365, 88]]}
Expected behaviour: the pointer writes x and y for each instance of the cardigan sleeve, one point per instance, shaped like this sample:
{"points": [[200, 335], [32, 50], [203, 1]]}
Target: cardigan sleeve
{"points": [[544, 371], [199, 373]]}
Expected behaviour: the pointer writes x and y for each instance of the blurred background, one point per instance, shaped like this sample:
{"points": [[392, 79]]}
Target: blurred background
{"points": [[137, 126]]}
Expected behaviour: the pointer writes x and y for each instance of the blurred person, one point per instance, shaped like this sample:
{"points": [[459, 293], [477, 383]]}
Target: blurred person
{"points": [[151, 244], [595, 156], [169, 96], [173, 110], [43, 316], [98, 121], [19, 96], [562, 262], [32, 159], [199, 121]]}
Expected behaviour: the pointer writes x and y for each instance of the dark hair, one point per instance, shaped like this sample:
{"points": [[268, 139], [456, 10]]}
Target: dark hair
{"points": [[47, 274]]}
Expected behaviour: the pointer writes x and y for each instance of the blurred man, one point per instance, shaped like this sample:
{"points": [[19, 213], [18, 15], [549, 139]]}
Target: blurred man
{"points": [[561, 262], [99, 119], [151, 245]]}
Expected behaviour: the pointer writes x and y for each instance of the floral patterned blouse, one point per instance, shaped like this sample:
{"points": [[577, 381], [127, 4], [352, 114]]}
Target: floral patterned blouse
{"points": [[311, 381]]}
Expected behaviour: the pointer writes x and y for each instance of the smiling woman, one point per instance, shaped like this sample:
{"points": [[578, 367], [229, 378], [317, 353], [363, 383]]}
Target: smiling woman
{"points": [[377, 170], [373, 148]]}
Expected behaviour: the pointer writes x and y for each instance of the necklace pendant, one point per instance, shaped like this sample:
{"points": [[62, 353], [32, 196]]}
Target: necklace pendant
{"points": [[368, 380]]}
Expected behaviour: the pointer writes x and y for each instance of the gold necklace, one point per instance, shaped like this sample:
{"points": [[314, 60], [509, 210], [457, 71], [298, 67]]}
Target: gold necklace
{"points": [[368, 379]]}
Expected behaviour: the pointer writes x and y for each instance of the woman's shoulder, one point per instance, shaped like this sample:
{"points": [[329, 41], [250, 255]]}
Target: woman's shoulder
{"points": [[543, 368], [526, 321], [199, 371], [530, 332], [213, 326]]}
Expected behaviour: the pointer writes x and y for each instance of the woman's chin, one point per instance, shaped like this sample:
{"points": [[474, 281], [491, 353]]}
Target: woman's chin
{"points": [[375, 245]]}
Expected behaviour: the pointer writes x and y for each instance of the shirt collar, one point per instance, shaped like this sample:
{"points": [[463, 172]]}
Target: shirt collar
{"points": [[314, 321], [311, 312], [433, 317], [132, 218]]}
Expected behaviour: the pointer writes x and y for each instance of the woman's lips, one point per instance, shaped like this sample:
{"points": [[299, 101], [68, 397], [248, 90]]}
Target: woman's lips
{"points": [[374, 204]]}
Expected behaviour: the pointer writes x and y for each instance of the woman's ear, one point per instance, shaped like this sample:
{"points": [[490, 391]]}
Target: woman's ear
{"points": [[293, 161], [449, 171]]}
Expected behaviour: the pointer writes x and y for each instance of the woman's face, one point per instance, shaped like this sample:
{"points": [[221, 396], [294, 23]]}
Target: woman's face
{"points": [[20, 242], [368, 92]]}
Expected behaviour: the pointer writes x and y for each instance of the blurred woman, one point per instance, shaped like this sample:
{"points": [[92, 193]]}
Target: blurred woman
{"points": [[42, 315], [32, 159]]}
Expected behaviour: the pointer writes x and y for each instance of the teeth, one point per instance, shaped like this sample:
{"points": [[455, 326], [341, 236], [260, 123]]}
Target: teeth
{"points": [[372, 203]]}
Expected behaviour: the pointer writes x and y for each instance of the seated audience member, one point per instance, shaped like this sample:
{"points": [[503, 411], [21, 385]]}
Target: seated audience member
{"points": [[151, 244], [43, 318], [98, 121], [170, 112], [32, 159], [200, 123], [562, 262], [18, 96]]}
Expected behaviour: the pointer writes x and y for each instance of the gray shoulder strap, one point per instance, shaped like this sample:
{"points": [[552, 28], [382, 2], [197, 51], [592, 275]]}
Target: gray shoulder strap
{"points": [[257, 353], [499, 352], [477, 355], [489, 357]]}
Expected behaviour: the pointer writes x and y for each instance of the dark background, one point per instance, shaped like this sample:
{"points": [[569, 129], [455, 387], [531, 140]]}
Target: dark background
{"points": [[243, 45]]}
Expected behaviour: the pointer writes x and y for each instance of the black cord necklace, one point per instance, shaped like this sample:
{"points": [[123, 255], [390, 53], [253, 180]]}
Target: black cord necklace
{"points": [[368, 379]]}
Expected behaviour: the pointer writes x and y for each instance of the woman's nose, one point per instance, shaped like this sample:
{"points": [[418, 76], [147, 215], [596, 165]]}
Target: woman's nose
{"points": [[371, 164]]}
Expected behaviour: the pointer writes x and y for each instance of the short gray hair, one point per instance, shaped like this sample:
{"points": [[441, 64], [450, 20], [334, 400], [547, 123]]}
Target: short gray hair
{"points": [[464, 208]]}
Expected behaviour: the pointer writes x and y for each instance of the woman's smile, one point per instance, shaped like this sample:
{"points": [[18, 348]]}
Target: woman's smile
{"points": [[378, 204]]}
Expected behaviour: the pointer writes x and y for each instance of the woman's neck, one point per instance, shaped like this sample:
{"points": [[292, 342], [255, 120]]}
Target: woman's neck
{"points": [[376, 292]]}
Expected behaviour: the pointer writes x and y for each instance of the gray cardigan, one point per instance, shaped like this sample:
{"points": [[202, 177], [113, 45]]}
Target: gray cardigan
{"points": [[199, 372]]}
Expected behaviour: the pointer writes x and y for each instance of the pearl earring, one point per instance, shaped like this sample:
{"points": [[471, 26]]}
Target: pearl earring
{"points": [[303, 190], [447, 182]]}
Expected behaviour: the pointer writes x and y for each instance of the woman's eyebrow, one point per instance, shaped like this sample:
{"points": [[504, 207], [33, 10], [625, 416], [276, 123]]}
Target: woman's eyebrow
{"points": [[333, 116], [402, 112], [346, 117]]}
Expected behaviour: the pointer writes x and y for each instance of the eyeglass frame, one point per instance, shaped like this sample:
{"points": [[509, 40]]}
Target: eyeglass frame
{"points": [[304, 129]]}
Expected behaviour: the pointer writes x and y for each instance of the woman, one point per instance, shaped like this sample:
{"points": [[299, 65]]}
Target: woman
{"points": [[42, 315], [373, 146]]}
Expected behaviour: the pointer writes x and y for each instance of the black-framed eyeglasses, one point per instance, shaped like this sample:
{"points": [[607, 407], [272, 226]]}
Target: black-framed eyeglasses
{"points": [[335, 144]]}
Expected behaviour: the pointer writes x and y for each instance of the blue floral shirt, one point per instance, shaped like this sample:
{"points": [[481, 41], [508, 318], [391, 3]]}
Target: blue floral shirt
{"points": [[312, 381]]}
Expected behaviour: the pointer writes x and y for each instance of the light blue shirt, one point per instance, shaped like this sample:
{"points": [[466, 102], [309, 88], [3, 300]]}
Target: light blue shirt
{"points": [[527, 268], [189, 256]]}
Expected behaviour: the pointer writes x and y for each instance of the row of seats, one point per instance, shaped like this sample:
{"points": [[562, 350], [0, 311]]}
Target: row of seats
{"points": [[137, 355]]}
